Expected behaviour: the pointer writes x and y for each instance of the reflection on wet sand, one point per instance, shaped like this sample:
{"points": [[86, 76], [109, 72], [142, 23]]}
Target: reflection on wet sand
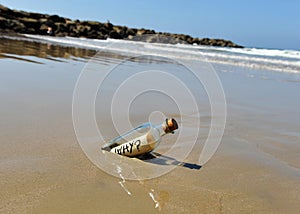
{"points": [[159, 198], [22, 47]]}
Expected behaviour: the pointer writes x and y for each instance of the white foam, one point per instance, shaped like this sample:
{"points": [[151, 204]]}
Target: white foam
{"points": [[277, 60]]}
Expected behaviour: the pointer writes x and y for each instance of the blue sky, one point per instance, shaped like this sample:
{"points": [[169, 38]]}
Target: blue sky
{"points": [[252, 23]]}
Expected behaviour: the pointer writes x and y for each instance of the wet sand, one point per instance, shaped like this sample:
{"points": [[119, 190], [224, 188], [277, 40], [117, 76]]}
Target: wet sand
{"points": [[44, 170]]}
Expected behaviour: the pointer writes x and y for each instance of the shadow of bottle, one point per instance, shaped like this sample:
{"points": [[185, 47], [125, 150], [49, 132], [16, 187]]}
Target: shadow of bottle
{"points": [[160, 159]]}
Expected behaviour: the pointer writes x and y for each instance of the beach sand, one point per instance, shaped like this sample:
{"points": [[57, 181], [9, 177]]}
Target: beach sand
{"points": [[44, 170]]}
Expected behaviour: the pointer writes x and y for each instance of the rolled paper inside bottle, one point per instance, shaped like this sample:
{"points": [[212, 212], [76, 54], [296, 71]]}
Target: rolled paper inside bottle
{"points": [[135, 147]]}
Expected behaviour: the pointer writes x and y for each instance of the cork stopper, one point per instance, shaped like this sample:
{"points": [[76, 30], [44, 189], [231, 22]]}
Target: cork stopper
{"points": [[171, 125]]}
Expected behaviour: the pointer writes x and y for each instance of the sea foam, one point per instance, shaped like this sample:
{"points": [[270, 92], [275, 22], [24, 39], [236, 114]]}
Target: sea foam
{"points": [[266, 59]]}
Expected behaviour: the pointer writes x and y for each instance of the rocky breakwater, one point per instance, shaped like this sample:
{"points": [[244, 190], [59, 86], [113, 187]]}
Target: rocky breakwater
{"points": [[14, 21]]}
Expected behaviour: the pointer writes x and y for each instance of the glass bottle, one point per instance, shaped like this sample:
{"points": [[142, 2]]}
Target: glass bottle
{"points": [[143, 139]]}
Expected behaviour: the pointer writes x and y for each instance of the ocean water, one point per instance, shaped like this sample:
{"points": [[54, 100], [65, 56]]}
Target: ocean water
{"points": [[263, 59], [43, 168]]}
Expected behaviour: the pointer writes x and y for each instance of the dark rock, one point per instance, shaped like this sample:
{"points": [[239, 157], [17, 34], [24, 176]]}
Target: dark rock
{"points": [[43, 20], [3, 9], [13, 25], [141, 32], [4, 23], [18, 26], [95, 25], [43, 29], [108, 25], [36, 16], [83, 30], [74, 34], [31, 23], [196, 41], [62, 28], [122, 32], [95, 35], [61, 34], [104, 30], [57, 19], [51, 24], [131, 31], [115, 35], [13, 21]]}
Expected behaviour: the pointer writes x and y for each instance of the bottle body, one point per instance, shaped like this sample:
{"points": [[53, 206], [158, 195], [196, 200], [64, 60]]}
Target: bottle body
{"points": [[140, 145], [143, 139]]}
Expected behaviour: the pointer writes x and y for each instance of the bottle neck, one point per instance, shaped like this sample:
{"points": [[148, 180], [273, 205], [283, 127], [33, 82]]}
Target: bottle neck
{"points": [[163, 129]]}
